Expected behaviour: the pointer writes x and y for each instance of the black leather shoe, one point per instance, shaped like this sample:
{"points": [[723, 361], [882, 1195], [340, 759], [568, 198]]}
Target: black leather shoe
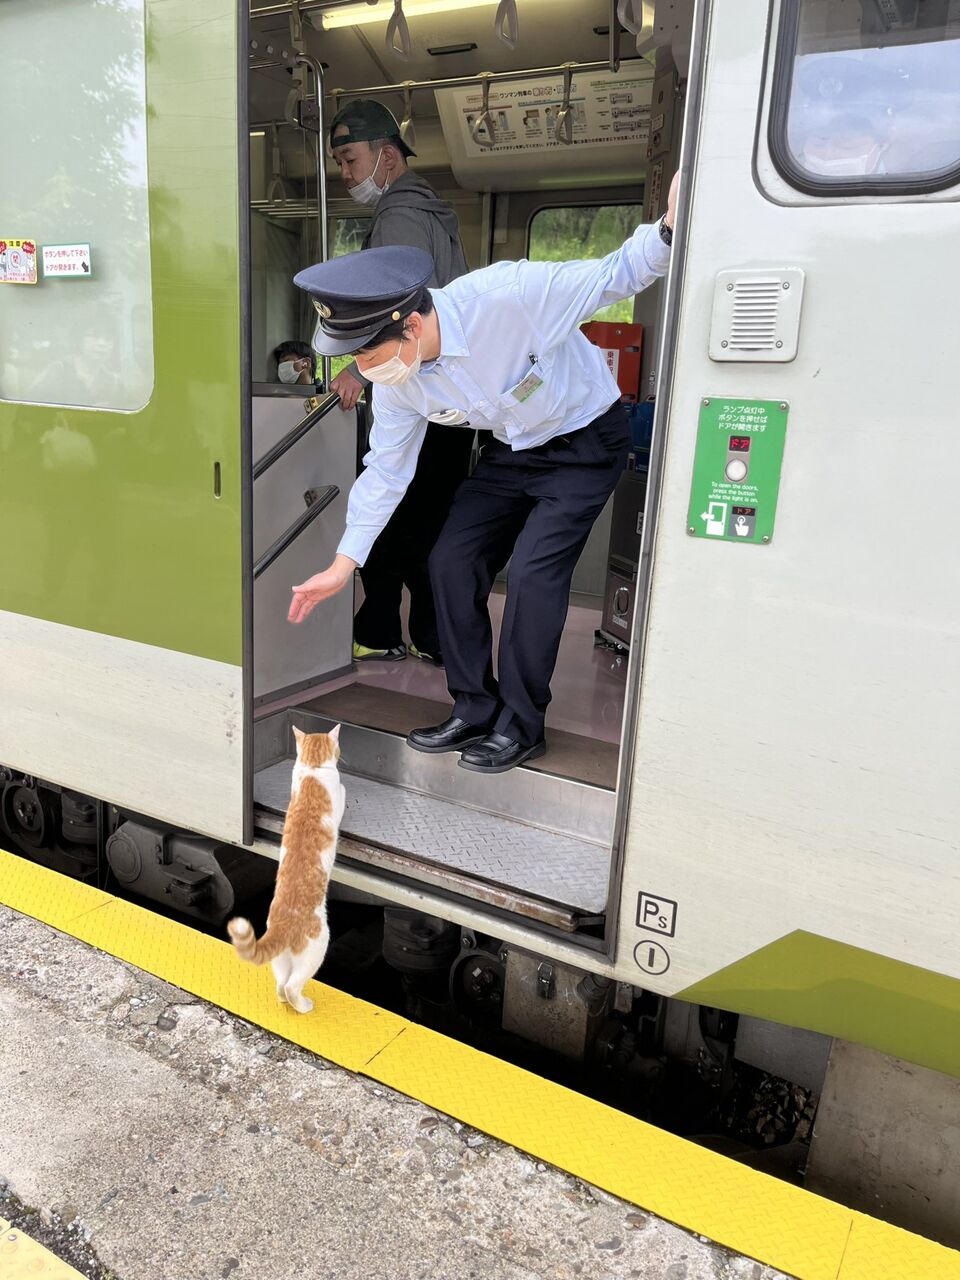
{"points": [[452, 735], [497, 754]]}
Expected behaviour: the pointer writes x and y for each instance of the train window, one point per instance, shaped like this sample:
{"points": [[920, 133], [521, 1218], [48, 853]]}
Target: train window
{"points": [[348, 235], [584, 231], [74, 205], [866, 97]]}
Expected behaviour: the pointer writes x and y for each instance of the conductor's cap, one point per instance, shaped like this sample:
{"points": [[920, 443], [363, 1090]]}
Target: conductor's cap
{"points": [[361, 293], [837, 83]]}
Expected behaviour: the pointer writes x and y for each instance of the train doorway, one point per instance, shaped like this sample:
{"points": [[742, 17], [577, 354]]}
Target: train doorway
{"points": [[538, 842]]}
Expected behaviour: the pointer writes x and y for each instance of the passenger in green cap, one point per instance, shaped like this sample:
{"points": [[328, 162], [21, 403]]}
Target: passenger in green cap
{"points": [[366, 144]]}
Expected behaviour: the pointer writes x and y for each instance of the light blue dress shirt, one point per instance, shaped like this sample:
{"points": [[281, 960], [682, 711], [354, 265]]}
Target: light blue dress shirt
{"points": [[498, 325]]}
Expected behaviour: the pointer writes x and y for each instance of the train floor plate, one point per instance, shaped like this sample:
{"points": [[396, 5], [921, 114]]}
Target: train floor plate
{"points": [[555, 867]]}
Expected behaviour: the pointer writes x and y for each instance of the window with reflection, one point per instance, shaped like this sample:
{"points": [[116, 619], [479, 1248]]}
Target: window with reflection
{"points": [[73, 174], [349, 235], [566, 234], [867, 96]]}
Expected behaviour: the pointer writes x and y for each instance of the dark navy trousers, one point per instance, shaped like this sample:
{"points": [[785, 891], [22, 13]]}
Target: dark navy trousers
{"points": [[539, 506], [399, 556]]}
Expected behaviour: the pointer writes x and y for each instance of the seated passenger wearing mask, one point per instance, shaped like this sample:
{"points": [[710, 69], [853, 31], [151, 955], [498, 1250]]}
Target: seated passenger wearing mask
{"points": [[296, 363]]}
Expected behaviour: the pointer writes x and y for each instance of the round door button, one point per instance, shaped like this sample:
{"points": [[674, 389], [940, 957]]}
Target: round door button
{"points": [[736, 469]]}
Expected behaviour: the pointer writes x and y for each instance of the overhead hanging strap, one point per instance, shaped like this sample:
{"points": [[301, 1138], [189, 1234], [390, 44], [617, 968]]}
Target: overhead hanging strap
{"points": [[296, 26], [564, 130], [407, 131], [277, 191], [614, 36], [398, 33], [638, 18], [507, 24], [335, 95], [293, 108], [484, 120]]}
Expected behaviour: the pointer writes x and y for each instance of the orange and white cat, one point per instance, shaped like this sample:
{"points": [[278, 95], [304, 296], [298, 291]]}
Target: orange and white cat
{"points": [[297, 935]]}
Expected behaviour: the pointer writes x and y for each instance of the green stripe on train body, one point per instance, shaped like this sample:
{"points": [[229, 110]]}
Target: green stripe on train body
{"points": [[808, 981]]}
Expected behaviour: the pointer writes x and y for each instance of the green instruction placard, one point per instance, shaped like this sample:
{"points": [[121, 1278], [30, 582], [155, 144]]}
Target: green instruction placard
{"points": [[736, 470]]}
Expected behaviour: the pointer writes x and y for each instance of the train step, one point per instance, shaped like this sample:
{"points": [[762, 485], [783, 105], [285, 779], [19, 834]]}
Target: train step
{"points": [[525, 831]]}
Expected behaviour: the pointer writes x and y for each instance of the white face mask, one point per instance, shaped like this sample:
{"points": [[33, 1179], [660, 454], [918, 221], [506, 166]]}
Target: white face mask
{"points": [[390, 373], [846, 166], [287, 371], [367, 191]]}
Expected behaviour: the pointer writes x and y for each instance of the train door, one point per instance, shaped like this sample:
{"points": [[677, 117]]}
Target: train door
{"points": [[123, 432], [793, 816]]}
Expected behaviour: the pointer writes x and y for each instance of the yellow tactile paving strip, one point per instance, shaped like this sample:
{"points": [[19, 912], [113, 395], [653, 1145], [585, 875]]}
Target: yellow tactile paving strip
{"points": [[788, 1228], [21, 1258]]}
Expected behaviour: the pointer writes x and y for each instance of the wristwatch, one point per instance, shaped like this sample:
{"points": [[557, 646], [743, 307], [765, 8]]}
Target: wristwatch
{"points": [[666, 233]]}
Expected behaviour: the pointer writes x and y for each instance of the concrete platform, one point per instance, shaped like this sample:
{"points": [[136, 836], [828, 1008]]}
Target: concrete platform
{"points": [[187, 1143]]}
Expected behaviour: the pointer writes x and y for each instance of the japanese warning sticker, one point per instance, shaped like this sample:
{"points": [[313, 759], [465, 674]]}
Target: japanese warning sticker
{"points": [[18, 261], [66, 260]]}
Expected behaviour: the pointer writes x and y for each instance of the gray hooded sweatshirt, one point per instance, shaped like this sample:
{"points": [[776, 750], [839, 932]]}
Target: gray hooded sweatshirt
{"points": [[411, 213]]}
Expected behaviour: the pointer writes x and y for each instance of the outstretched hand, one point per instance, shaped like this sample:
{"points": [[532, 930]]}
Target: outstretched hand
{"points": [[320, 587]]}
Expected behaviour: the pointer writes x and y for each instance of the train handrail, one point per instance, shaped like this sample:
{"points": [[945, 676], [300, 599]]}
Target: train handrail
{"points": [[317, 501], [321, 407]]}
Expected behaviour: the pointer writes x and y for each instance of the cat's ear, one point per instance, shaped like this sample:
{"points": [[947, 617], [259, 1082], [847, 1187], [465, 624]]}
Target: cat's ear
{"points": [[299, 735], [334, 734]]}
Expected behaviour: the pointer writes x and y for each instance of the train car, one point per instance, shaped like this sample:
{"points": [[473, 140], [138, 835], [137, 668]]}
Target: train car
{"points": [[742, 840]]}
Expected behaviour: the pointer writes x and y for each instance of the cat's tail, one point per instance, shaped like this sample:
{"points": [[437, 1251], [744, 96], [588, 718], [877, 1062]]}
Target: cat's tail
{"points": [[249, 947]]}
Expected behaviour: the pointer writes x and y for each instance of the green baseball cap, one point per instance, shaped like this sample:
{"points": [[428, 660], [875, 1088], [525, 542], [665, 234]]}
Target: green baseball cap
{"points": [[367, 121]]}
